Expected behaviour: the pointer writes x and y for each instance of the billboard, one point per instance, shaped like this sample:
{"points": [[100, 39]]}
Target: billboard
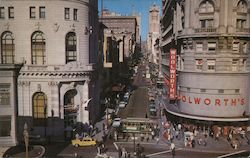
{"points": [[172, 78]]}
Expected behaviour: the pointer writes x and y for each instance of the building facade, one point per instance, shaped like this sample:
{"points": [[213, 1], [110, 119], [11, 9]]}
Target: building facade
{"points": [[153, 33], [206, 58], [124, 28], [57, 83]]}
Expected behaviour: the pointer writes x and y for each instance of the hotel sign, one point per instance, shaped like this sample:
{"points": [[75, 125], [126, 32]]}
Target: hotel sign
{"points": [[172, 80]]}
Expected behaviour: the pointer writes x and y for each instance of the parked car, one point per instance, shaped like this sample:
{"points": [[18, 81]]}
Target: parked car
{"points": [[122, 104], [116, 122], [86, 141]]}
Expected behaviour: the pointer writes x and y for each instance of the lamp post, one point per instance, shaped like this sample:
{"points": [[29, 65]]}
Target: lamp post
{"points": [[45, 120], [26, 139]]}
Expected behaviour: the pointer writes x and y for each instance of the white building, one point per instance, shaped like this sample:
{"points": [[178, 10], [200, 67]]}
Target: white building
{"points": [[206, 59], [55, 41]]}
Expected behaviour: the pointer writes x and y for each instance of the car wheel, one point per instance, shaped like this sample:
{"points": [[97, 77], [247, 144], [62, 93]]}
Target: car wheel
{"points": [[76, 145]]}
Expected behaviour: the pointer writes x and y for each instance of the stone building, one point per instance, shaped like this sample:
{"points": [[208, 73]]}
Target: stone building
{"points": [[124, 28], [56, 42], [206, 58], [153, 33]]}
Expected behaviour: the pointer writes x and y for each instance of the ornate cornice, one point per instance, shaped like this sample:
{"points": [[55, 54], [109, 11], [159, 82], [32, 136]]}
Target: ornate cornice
{"points": [[70, 70]]}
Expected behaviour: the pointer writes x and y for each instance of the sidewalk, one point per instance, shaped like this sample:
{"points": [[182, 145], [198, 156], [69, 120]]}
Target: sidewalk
{"points": [[213, 146]]}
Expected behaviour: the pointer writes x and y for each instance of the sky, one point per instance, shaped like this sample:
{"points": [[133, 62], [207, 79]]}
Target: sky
{"points": [[127, 7]]}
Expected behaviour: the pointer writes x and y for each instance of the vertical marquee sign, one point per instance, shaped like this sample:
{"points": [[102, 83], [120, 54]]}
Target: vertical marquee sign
{"points": [[172, 81]]}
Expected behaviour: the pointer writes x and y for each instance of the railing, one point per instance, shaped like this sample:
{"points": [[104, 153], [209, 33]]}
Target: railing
{"points": [[201, 30], [243, 30]]}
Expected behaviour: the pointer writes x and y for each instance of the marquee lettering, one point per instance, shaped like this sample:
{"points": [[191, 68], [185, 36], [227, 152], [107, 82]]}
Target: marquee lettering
{"points": [[209, 102]]}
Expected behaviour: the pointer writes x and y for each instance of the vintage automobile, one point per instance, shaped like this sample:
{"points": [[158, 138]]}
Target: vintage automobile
{"points": [[116, 122], [86, 141]]}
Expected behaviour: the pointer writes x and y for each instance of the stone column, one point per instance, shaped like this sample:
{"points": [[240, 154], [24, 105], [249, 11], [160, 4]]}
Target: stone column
{"points": [[54, 104], [121, 55], [223, 16], [84, 110], [187, 10]]}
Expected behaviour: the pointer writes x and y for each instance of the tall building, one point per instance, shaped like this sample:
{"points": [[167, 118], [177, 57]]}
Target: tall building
{"points": [[55, 44], [153, 33], [206, 58], [125, 28]]}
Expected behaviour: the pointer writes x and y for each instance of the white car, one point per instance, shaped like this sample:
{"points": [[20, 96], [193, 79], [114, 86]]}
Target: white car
{"points": [[122, 104], [116, 122]]}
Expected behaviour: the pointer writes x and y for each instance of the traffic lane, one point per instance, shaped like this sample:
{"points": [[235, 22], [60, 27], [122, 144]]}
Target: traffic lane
{"points": [[137, 105], [84, 152]]}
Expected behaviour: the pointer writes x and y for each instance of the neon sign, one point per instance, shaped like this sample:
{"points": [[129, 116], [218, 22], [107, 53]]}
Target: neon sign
{"points": [[172, 80]]}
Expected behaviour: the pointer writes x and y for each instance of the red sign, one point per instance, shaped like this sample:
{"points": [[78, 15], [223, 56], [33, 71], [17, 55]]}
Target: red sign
{"points": [[172, 80]]}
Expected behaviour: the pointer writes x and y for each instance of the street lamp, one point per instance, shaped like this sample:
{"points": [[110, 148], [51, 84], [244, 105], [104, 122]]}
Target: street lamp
{"points": [[26, 139], [45, 120]]}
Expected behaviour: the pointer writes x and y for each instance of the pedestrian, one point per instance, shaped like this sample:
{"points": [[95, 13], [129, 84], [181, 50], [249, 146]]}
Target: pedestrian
{"points": [[124, 153], [172, 148], [103, 126], [157, 140]]}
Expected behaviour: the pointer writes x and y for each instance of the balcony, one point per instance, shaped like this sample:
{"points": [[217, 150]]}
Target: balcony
{"points": [[205, 30], [244, 30]]}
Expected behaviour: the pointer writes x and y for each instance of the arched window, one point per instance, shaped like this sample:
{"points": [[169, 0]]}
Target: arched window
{"points": [[206, 13], [39, 102], [7, 48], [71, 54], [241, 21], [38, 45], [206, 7]]}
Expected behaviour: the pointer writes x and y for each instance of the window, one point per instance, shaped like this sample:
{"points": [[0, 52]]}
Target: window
{"points": [[199, 46], [210, 64], [244, 47], [203, 90], [236, 46], [32, 12], [5, 126], [221, 91], [188, 89], [39, 102], [1, 12], [4, 94], [75, 14], [211, 46], [235, 64], [71, 47], [11, 12], [7, 48], [241, 23], [199, 64], [206, 23], [42, 12], [237, 91], [38, 48], [66, 14]]}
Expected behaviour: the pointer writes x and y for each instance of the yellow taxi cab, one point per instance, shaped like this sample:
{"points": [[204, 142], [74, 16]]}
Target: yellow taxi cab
{"points": [[86, 141]]}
